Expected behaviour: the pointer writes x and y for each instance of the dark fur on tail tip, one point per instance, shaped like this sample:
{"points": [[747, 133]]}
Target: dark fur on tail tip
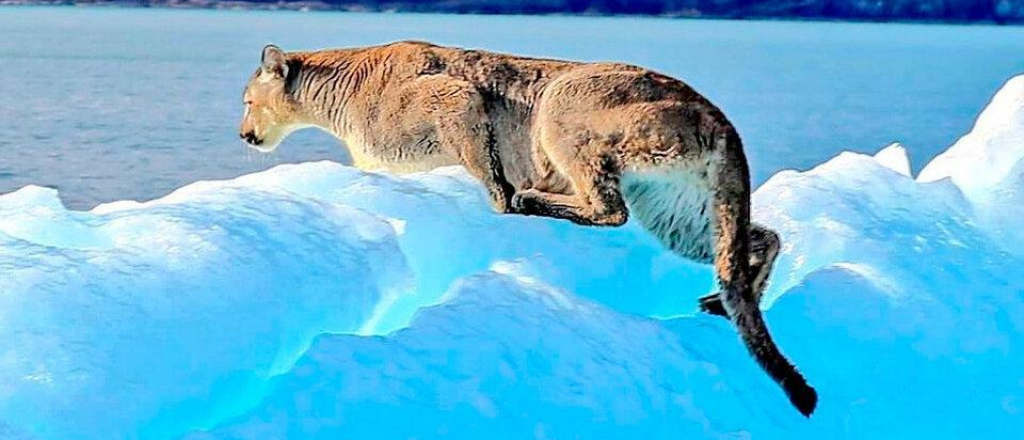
{"points": [[800, 394]]}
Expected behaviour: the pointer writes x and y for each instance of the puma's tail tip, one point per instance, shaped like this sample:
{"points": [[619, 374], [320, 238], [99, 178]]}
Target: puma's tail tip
{"points": [[801, 395]]}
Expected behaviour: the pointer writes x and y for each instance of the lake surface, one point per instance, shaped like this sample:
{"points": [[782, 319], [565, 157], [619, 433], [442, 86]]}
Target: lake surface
{"points": [[109, 104]]}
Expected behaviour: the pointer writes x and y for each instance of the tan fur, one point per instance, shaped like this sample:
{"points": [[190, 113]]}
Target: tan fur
{"points": [[587, 142]]}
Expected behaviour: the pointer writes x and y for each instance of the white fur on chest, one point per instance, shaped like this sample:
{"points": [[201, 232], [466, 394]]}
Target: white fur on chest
{"points": [[674, 203]]}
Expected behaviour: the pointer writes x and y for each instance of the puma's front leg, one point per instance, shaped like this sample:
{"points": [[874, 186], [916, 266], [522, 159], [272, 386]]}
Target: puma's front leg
{"points": [[485, 165], [464, 129]]}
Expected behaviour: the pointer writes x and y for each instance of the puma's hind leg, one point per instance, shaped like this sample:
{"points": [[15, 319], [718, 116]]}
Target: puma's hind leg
{"points": [[764, 248], [595, 199]]}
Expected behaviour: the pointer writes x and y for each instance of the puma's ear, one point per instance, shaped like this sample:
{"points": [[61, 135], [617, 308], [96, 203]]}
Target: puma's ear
{"points": [[274, 61]]}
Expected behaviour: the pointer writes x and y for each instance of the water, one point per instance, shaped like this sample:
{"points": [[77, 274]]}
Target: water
{"points": [[108, 104]]}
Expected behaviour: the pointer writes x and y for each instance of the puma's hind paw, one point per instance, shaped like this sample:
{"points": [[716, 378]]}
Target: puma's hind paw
{"points": [[525, 202], [712, 304]]}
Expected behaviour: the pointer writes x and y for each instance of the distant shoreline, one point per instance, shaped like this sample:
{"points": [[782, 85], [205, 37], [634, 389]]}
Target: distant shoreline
{"points": [[468, 9]]}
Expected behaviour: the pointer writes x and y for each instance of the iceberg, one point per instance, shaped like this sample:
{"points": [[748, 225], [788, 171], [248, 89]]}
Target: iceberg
{"points": [[447, 229], [986, 156], [130, 323], [316, 301], [985, 165], [508, 357]]}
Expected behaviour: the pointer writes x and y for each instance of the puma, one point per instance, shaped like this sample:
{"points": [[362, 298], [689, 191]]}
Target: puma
{"points": [[592, 143]]}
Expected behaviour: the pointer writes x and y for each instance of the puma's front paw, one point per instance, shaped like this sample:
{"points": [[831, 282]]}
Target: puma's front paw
{"points": [[501, 204], [501, 198]]}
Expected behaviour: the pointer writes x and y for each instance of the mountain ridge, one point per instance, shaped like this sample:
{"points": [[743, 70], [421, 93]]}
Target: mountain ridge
{"points": [[951, 11]]}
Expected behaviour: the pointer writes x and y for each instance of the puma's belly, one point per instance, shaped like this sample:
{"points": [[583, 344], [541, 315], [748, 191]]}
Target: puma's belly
{"points": [[398, 156], [674, 204], [419, 164]]}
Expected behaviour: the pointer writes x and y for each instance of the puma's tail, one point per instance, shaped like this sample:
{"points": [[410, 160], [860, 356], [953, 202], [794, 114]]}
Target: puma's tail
{"points": [[731, 207]]}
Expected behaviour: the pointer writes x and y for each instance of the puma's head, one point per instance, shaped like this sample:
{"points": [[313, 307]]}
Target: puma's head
{"points": [[271, 111]]}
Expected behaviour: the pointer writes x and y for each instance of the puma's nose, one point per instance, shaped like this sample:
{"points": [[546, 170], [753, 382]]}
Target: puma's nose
{"points": [[250, 138]]}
